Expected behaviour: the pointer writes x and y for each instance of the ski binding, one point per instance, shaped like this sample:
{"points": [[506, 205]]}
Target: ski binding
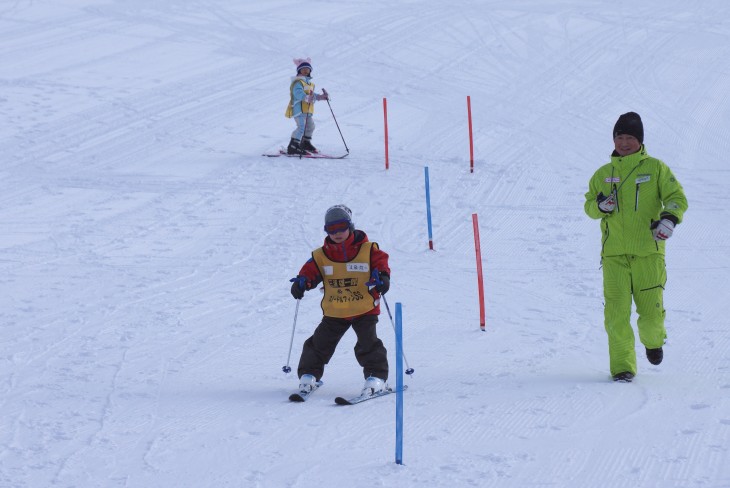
{"points": [[302, 396]]}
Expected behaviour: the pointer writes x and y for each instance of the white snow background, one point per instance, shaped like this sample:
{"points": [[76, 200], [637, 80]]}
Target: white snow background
{"points": [[146, 244]]}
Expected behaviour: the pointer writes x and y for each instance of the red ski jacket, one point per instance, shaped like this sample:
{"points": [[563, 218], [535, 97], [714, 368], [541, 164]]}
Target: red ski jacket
{"points": [[343, 253]]}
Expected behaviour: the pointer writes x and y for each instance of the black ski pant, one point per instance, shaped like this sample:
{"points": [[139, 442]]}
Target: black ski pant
{"points": [[369, 350]]}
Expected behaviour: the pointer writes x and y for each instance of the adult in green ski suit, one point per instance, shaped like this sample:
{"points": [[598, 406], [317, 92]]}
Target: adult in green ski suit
{"points": [[639, 202]]}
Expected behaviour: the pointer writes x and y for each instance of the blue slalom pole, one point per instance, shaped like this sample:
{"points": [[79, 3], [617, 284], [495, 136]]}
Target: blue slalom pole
{"points": [[409, 370], [398, 384], [428, 211]]}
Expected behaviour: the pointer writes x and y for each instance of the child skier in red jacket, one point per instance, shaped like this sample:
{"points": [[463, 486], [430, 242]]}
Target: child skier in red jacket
{"points": [[354, 272]]}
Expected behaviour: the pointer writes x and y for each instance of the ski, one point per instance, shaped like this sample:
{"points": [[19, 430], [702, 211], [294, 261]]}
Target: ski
{"points": [[283, 153], [302, 396], [364, 398]]}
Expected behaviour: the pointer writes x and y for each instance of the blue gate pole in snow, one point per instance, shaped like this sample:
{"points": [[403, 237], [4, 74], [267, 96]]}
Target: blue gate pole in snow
{"points": [[398, 384], [428, 211], [409, 370]]}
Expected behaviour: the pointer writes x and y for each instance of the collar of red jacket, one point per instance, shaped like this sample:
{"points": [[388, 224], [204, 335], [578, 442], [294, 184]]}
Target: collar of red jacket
{"points": [[345, 250]]}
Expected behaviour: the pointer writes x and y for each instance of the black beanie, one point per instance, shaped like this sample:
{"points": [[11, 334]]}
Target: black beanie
{"points": [[303, 65], [629, 123]]}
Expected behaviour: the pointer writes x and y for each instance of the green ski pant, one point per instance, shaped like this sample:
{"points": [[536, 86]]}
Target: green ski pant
{"points": [[642, 278]]}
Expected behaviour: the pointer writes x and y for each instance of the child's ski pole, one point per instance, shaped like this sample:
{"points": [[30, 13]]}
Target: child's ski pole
{"points": [[335, 119], [375, 280], [287, 368]]}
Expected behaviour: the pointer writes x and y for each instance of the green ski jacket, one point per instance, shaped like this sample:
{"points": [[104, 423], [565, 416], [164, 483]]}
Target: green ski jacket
{"points": [[646, 191]]}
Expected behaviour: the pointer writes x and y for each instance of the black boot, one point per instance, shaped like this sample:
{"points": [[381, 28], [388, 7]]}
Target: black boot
{"points": [[655, 356], [294, 147], [307, 145], [624, 377]]}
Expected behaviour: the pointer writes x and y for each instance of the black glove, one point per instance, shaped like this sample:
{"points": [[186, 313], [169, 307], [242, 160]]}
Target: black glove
{"points": [[384, 284], [606, 204], [298, 287], [662, 229]]}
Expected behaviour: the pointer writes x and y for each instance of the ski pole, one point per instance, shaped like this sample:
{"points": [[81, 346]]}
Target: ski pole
{"points": [[335, 119], [409, 370], [286, 368], [374, 281]]}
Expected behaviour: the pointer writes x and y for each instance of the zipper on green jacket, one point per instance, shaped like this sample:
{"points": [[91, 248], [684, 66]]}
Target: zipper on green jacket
{"points": [[603, 244], [651, 221]]}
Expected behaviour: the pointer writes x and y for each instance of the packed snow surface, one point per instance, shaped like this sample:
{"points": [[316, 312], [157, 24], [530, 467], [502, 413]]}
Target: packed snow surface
{"points": [[147, 246]]}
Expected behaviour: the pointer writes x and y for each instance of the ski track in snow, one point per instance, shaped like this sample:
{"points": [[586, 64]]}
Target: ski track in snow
{"points": [[147, 248]]}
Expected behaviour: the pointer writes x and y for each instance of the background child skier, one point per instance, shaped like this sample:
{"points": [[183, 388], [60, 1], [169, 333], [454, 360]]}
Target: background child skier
{"points": [[301, 107]]}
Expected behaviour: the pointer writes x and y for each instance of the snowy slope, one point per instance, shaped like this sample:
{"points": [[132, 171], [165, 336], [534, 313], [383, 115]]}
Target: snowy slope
{"points": [[146, 248]]}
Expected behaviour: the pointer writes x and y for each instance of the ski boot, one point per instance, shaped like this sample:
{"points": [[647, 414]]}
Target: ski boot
{"points": [[307, 145], [307, 383], [294, 147], [373, 385]]}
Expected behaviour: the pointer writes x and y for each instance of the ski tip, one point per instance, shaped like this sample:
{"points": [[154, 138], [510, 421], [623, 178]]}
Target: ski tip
{"points": [[296, 397], [342, 401]]}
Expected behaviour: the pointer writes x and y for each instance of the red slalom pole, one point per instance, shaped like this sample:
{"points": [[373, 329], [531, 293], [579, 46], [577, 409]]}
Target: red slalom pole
{"points": [[385, 118], [480, 277], [471, 137]]}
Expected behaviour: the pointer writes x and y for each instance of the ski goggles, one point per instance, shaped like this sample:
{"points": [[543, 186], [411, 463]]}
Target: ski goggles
{"points": [[337, 226]]}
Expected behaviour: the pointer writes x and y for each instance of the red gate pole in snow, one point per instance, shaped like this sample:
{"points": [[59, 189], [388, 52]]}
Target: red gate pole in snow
{"points": [[480, 277], [471, 137], [385, 118]]}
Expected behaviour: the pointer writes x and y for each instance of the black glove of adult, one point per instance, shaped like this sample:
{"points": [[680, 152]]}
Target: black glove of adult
{"points": [[662, 229], [606, 204], [384, 284], [298, 287]]}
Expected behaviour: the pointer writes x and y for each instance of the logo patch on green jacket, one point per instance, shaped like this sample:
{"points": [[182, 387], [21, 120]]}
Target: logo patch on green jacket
{"points": [[642, 179], [614, 179]]}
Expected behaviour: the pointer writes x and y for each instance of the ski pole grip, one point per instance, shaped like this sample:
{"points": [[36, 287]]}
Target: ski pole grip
{"points": [[374, 278], [300, 280]]}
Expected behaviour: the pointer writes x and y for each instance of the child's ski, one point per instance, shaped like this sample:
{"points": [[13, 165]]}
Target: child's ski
{"points": [[317, 155], [364, 398]]}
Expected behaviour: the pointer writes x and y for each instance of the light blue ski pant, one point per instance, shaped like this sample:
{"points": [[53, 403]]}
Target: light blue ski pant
{"points": [[301, 121]]}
